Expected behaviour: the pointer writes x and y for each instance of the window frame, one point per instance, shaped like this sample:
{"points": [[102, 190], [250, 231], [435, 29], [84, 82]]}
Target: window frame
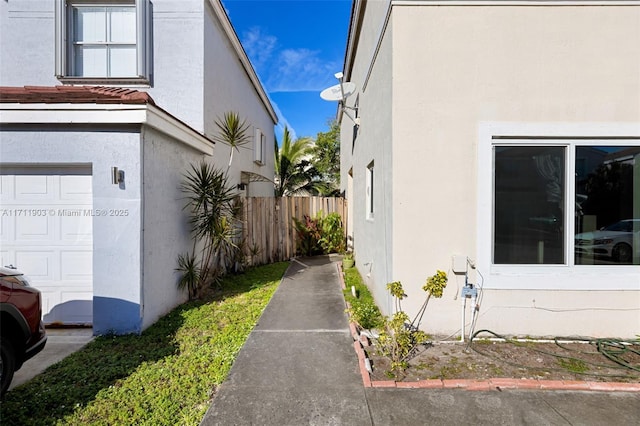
{"points": [[259, 147], [369, 190], [64, 45], [567, 276]]}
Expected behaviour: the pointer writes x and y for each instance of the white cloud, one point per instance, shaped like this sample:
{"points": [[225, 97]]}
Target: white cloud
{"points": [[298, 70], [259, 46], [282, 123], [287, 70]]}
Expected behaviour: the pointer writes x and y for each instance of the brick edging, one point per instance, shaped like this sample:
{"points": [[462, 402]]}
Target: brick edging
{"points": [[476, 385]]}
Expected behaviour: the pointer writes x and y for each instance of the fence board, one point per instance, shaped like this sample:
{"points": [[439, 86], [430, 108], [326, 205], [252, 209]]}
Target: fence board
{"points": [[268, 229]]}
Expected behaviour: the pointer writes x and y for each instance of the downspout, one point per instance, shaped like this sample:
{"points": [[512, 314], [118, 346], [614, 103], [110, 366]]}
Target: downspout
{"points": [[142, 222]]}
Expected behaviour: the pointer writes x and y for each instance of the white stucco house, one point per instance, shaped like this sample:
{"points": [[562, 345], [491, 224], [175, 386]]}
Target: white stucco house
{"points": [[499, 139], [103, 107]]}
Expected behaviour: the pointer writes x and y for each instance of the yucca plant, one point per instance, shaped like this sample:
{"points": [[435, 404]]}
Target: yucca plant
{"points": [[214, 213], [190, 274], [212, 207], [232, 131]]}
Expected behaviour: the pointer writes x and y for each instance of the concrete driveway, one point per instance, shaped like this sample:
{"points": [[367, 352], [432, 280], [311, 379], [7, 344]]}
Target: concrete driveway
{"points": [[61, 342]]}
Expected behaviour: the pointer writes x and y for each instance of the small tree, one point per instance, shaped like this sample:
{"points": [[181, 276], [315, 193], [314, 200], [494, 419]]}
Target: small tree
{"points": [[399, 338], [326, 159]]}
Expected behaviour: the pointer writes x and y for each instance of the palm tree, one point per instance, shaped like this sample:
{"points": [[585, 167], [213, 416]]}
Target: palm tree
{"points": [[294, 172]]}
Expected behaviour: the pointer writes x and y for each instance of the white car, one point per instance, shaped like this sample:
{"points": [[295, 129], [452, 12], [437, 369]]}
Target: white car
{"points": [[615, 241]]}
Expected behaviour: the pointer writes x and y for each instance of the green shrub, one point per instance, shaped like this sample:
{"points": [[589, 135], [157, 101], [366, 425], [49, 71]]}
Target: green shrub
{"points": [[309, 234], [366, 314], [399, 336], [364, 310], [319, 235], [332, 239]]}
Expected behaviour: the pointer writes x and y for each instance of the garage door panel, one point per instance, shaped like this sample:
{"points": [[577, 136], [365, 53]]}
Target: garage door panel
{"points": [[49, 236], [77, 228], [49, 299], [75, 188], [7, 257], [35, 188], [72, 308], [76, 265], [34, 228], [6, 187], [38, 265], [7, 227]]}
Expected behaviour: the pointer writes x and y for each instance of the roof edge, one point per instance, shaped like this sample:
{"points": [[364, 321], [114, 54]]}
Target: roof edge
{"points": [[242, 55], [109, 114]]}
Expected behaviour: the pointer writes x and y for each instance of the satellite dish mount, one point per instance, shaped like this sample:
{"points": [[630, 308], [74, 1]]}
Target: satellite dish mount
{"points": [[340, 92]]}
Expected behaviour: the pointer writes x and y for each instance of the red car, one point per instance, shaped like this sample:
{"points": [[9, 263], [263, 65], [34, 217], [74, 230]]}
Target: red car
{"points": [[22, 333]]}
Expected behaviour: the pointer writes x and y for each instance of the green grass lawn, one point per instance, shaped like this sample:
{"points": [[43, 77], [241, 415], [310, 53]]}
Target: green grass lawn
{"points": [[364, 310], [165, 376]]}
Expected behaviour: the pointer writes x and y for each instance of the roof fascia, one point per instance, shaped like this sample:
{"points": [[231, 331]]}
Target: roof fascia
{"points": [[145, 114], [515, 2], [242, 55]]}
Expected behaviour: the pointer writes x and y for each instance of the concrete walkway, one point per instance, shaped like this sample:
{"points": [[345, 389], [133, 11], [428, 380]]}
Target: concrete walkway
{"points": [[61, 342], [298, 367]]}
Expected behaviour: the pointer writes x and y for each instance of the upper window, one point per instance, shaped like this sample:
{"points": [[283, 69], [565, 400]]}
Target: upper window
{"points": [[102, 41], [259, 147], [370, 192]]}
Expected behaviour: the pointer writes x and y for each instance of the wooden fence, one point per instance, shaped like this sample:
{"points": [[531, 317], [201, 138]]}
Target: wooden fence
{"points": [[268, 230]]}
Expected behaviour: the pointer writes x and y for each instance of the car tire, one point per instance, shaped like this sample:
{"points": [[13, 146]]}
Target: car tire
{"points": [[622, 253], [7, 364]]}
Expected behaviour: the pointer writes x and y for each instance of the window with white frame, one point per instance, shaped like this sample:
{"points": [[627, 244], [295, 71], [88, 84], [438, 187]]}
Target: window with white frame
{"points": [[102, 41], [370, 190], [259, 147], [559, 206], [575, 202]]}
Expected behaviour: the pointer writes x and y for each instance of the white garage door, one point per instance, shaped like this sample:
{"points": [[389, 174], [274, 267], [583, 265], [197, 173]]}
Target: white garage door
{"points": [[46, 232]]}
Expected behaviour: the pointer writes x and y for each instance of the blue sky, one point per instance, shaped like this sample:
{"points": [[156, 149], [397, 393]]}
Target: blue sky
{"points": [[296, 46]]}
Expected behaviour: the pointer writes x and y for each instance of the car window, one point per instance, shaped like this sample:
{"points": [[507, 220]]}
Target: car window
{"points": [[622, 226]]}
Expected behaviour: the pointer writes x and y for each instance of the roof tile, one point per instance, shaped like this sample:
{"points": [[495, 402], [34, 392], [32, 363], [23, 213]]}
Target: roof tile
{"points": [[73, 94]]}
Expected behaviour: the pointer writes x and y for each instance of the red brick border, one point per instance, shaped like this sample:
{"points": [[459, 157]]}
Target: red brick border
{"points": [[479, 385]]}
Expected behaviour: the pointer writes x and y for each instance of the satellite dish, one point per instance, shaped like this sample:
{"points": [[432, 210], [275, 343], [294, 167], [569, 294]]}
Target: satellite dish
{"points": [[339, 92]]}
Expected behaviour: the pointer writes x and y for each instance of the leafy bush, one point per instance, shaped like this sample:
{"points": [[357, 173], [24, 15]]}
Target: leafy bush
{"points": [[332, 239], [319, 235], [399, 337], [308, 231], [366, 314], [364, 310], [397, 340]]}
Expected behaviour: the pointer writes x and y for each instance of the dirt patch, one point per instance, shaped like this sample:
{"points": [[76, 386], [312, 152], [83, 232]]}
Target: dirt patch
{"points": [[598, 361]]}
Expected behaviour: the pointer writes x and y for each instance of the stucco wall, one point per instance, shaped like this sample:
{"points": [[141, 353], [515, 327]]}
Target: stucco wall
{"points": [[166, 232], [116, 238], [178, 62], [196, 76], [373, 237], [234, 93], [452, 70], [27, 43], [456, 67]]}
